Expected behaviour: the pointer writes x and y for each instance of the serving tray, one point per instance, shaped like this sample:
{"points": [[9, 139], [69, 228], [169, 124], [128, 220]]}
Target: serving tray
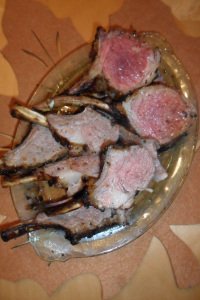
{"points": [[148, 207]]}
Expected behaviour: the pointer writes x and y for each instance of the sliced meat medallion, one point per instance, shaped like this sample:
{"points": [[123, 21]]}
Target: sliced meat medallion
{"points": [[123, 60], [86, 128], [38, 148], [158, 112], [69, 173], [125, 172]]}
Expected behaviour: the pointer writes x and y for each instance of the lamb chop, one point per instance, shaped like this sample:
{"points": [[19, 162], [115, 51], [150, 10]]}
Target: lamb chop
{"points": [[159, 112], [69, 174], [73, 173], [122, 62], [86, 221], [38, 148], [87, 128], [86, 131], [125, 172], [87, 118], [76, 224]]}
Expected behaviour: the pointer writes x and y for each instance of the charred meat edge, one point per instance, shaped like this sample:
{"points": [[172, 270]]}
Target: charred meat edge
{"points": [[189, 114], [93, 81], [21, 229], [126, 136], [20, 170]]}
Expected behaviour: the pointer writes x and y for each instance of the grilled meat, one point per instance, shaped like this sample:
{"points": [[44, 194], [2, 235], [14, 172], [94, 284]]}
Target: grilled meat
{"points": [[88, 128], [86, 221], [113, 114], [58, 191], [38, 148], [125, 172], [158, 112], [83, 222], [122, 61], [72, 173], [160, 172]]}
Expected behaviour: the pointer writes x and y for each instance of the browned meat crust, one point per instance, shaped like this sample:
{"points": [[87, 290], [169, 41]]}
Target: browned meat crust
{"points": [[122, 63], [37, 149]]}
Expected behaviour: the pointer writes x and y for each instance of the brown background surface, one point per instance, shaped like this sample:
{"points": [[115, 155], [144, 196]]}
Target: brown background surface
{"points": [[165, 262]]}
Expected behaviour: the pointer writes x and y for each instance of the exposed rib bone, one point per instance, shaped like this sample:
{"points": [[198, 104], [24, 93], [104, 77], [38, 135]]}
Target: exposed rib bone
{"points": [[8, 182], [32, 116], [61, 101], [10, 233], [27, 114]]}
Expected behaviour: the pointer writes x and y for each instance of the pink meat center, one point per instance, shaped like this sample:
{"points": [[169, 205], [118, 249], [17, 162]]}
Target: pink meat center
{"points": [[134, 171], [124, 61], [99, 133], [162, 115]]}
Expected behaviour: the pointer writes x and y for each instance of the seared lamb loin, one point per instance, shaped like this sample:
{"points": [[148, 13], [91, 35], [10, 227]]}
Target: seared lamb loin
{"points": [[158, 112], [38, 148], [125, 172], [122, 61]]}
